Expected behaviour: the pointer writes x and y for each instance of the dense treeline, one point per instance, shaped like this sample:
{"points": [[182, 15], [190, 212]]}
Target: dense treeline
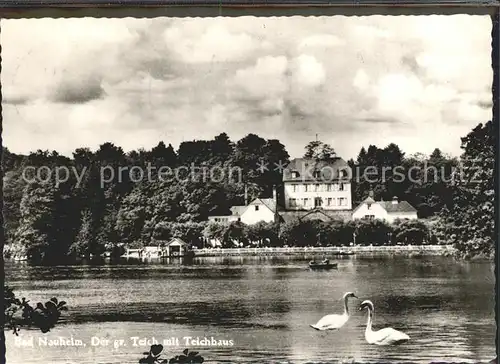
{"points": [[108, 200], [320, 233]]}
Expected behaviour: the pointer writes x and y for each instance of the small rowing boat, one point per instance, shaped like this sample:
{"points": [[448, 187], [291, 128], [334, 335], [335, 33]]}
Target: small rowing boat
{"points": [[325, 264]]}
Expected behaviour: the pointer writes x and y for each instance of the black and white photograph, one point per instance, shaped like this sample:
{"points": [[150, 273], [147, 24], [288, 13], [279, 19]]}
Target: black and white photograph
{"points": [[249, 189]]}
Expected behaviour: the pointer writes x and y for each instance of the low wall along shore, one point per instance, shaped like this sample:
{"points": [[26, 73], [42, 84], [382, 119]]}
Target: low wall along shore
{"points": [[421, 249]]}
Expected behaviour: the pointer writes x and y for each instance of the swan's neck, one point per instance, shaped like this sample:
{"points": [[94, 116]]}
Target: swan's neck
{"points": [[369, 321], [346, 307]]}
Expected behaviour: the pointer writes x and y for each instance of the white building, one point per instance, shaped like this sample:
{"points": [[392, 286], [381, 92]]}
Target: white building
{"points": [[260, 209], [384, 210], [176, 247], [311, 184], [312, 189], [236, 212]]}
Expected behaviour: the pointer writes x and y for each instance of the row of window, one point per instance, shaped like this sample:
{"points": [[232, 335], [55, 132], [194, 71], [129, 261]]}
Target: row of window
{"points": [[317, 187], [327, 172], [223, 219], [318, 201]]}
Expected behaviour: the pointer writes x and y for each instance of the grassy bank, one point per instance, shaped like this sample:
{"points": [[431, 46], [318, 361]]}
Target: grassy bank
{"points": [[347, 250]]}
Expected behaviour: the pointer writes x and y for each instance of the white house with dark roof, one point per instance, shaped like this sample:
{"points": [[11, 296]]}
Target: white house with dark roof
{"points": [[236, 212], [384, 210], [312, 189], [311, 184], [260, 209]]}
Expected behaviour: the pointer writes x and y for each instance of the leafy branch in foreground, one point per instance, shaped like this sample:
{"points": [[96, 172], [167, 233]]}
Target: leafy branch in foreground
{"points": [[187, 357], [18, 313]]}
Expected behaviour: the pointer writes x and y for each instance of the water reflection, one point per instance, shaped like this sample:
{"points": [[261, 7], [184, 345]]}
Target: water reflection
{"points": [[265, 304]]}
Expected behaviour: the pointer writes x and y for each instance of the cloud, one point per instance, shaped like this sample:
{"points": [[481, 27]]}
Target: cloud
{"points": [[320, 41], [307, 71], [13, 99], [192, 42], [421, 82], [77, 91]]}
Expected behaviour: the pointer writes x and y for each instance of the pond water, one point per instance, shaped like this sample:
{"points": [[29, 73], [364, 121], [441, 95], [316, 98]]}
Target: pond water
{"points": [[263, 306]]}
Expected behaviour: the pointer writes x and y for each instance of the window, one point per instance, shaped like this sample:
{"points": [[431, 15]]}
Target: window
{"points": [[341, 187], [317, 202], [335, 187], [295, 188], [295, 174], [239, 218], [342, 201], [256, 207], [292, 202], [317, 174], [305, 188], [304, 202], [370, 217], [316, 187], [329, 187], [329, 201], [369, 206]]}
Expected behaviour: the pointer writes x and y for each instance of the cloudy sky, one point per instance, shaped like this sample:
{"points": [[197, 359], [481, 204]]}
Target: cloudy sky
{"points": [[421, 82]]}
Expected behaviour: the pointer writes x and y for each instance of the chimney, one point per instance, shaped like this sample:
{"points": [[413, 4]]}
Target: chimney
{"points": [[246, 195], [275, 195], [370, 194], [395, 200]]}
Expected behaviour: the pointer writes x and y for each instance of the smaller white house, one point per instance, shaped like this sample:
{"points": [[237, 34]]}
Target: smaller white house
{"points": [[236, 212], [260, 209], [384, 210], [176, 247]]}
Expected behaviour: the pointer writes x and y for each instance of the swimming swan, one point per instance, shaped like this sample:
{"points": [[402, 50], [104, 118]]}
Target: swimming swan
{"points": [[335, 322], [387, 336]]}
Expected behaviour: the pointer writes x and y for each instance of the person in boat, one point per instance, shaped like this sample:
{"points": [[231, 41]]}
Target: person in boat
{"points": [[325, 261]]}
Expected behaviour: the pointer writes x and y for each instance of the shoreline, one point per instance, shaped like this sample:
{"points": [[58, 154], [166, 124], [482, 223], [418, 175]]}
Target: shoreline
{"points": [[339, 251]]}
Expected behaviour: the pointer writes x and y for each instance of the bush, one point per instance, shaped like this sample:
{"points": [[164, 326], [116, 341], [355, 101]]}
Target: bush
{"points": [[187, 357], [414, 232], [374, 232], [18, 313]]}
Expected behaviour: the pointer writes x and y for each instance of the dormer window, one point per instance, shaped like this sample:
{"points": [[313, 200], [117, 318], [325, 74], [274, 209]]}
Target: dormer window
{"points": [[317, 174], [295, 174]]}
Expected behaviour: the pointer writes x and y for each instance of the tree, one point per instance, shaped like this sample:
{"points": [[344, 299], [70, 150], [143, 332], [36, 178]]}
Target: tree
{"points": [[262, 233], [162, 156], [471, 217], [36, 230], [414, 232], [319, 151], [215, 231], [372, 231]]}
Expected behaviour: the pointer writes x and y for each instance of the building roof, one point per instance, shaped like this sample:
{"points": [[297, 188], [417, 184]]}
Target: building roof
{"points": [[237, 210], [318, 213], [401, 206], [389, 206], [332, 170], [179, 240], [270, 203]]}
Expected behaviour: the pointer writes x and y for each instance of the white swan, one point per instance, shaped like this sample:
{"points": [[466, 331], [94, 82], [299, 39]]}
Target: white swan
{"points": [[335, 322], [387, 336]]}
